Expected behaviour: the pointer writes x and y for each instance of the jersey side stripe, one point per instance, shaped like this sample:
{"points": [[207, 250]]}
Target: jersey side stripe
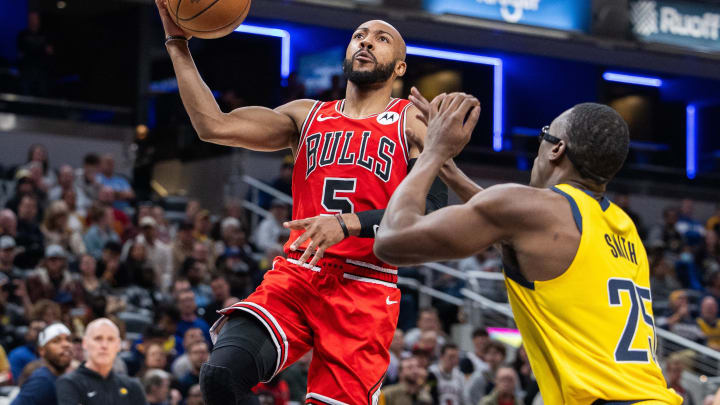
{"points": [[307, 124], [401, 132]]}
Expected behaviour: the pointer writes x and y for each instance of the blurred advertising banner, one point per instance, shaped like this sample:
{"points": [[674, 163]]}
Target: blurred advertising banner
{"points": [[680, 23], [572, 15]]}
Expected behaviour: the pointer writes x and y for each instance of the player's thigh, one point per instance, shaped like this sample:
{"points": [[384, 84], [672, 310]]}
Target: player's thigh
{"points": [[353, 331]]}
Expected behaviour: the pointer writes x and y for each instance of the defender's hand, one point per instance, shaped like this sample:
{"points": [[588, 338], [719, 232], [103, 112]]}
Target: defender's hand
{"points": [[448, 129], [168, 24], [323, 232]]}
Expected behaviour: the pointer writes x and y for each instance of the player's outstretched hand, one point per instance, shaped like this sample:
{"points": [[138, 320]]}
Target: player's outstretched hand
{"points": [[452, 119], [168, 24], [422, 104], [323, 232]]}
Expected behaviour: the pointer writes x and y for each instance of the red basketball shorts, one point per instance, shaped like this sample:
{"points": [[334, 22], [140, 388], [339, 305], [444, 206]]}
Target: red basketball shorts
{"points": [[346, 313]]}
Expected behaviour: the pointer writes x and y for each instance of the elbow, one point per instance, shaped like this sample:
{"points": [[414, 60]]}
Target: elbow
{"points": [[390, 252]]}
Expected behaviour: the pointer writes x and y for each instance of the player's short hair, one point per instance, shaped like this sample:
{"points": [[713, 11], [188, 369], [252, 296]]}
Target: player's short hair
{"points": [[448, 346], [91, 159], [497, 346], [598, 141], [480, 332]]}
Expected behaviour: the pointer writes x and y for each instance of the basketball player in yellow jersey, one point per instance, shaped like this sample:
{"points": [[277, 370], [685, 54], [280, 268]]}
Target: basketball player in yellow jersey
{"points": [[576, 270]]}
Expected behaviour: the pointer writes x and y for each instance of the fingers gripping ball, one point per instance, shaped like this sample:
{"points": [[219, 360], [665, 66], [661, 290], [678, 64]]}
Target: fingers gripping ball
{"points": [[208, 18]]}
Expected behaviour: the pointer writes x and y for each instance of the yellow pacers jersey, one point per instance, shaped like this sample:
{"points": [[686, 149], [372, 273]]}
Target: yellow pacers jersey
{"points": [[589, 333]]}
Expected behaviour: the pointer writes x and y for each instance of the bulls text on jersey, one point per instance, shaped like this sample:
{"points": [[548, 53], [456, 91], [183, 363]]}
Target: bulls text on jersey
{"points": [[334, 148]]}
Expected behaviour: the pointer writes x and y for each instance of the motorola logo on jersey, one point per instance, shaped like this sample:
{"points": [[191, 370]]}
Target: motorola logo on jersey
{"points": [[334, 148], [388, 117]]}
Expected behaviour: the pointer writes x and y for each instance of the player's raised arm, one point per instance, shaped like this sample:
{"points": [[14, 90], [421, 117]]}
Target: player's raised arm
{"points": [[256, 128]]}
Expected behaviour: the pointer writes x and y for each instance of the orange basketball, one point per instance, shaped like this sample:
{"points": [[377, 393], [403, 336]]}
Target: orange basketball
{"points": [[208, 18]]}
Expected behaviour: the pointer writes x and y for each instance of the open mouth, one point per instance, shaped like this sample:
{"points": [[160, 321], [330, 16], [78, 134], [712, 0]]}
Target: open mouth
{"points": [[363, 56]]}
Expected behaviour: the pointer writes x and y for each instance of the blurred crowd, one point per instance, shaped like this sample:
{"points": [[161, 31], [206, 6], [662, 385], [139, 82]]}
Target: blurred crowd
{"points": [[76, 246]]}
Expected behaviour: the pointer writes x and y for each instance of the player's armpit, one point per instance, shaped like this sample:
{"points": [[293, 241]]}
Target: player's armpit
{"points": [[495, 214], [259, 128]]}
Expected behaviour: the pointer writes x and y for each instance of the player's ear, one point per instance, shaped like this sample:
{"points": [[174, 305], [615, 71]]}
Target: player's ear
{"points": [[400, 68], [557, 151]]}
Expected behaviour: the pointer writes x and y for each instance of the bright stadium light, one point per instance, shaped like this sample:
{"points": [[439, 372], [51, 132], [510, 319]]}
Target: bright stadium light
{"points": [[272, 32], [691, 141], [632, 79], [497, 65]]}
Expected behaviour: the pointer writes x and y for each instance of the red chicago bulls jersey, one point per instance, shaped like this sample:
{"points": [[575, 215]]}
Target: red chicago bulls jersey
{"points": [[348, 165]]}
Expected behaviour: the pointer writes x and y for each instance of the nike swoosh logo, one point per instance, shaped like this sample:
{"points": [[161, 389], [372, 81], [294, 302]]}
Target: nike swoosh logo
{"points": [[91, 394], [387, 301], [321, 118]]}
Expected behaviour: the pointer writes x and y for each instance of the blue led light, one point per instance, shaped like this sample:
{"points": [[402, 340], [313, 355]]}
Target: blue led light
{"points": [[632, 79], [482, 60], [691, 141], [277, 33]]}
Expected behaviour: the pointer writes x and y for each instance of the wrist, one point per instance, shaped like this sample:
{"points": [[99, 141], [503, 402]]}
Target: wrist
{"points": [[353, 224]]}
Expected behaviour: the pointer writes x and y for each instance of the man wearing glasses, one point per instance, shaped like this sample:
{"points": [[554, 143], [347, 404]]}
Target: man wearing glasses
{"points": [[576, 271]]}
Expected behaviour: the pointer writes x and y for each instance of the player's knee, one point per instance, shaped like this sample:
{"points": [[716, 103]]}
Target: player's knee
{"points": [[228, 376]]}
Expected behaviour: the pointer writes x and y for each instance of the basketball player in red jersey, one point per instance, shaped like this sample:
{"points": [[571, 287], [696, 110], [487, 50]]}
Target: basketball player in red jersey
{"points": [[331, 294]]}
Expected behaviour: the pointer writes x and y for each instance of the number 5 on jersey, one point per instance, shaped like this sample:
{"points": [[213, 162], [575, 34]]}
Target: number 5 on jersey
{"points": [[333, 203], [638, 297]]}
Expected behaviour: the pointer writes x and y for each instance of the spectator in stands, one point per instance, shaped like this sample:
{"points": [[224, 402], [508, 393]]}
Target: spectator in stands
{"points": [[527, 380], [182, 365], [198, 353], [662, 276], [708, 255], [709, 323], [65, 181], [506, 389], [197, 275], [667, 235], [86, 183], [690, 228], [230, 228], [282, 183], [24, 186], [397, 351], [192, 208], [120, 221], [29, 236], [428, 320], [101, 231], [8, 223], [268, 233], [156, 384], [154, 358], [34, 55], [162, 228], [274, 392], [446, 380], [47, 311], [473, 361], [674, 367], [56, 353], [296, 377], [294, 90], [220, 293], [185, 302], [182, 246], [679, 320], [159, 254], [202, 226], [96, 376], [201, 252], [120, 186], [23, 355], [10, 275], [482, 383], [136, 269], [109, 263], [194, 396], [57, 231], [5, 374], [412, 389], [53, 280], [76, 218]]}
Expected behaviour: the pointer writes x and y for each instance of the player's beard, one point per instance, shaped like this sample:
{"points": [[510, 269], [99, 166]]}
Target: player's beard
{"points": [[365, 78]]}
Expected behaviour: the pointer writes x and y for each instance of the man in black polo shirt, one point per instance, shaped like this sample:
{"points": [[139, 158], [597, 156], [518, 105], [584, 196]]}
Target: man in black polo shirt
{"points": [[94, 382]]}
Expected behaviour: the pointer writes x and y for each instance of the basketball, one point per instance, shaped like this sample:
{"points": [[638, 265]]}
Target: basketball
{"points": [[208, 18]]}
